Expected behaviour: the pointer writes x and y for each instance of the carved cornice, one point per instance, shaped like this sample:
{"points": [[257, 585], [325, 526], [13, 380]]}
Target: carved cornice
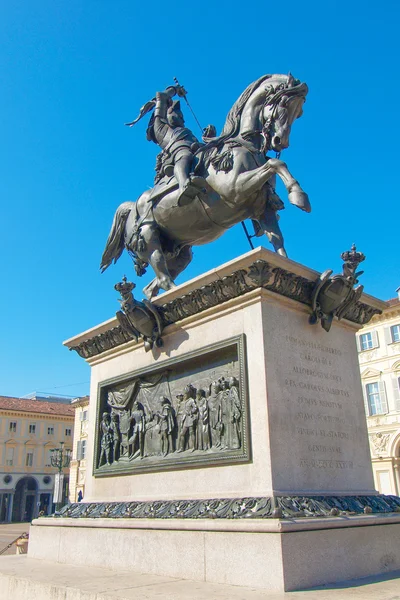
{"points": [[260, 274], [387, 314], [236, 508]]}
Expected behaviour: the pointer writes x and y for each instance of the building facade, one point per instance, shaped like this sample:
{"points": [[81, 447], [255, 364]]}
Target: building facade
{"points": [[29, 430], [78, 462], [379, 357]]}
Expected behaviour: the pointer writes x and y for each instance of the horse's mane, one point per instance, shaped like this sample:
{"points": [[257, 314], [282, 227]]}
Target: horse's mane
{"points": [[232, 122]]}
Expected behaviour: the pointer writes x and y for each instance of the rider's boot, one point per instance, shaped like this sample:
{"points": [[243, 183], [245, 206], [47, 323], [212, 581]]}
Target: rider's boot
{"points": [[193, 187]]}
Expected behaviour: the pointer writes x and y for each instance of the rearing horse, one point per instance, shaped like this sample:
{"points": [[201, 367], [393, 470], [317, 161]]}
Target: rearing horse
{"points": [[239, 185]]}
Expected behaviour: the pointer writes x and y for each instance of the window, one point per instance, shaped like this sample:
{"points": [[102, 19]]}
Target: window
{"points": [[367, 341], [10, 457], [376, 398], [392, 334], [81, 450], [29, 459], [68, 432], [83, 415], [32, 428], [13, 427], [395, 331], [50, 431]]}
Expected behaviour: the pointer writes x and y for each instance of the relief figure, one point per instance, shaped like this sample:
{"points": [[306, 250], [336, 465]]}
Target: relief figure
{"points": [[189, 420], [125, 421], [114, 426], [136, 441], [214, 407], [106, 442], [151, 436], [203, 433], [233, 432], [166, 426]]}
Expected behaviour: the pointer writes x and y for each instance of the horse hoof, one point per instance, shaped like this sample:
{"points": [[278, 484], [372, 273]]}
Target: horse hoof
{"points": [[300, 199]]}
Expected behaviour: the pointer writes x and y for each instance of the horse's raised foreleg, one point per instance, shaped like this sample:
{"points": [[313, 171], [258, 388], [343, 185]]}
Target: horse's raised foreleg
{"points": [[251, 181], [296, 195]]}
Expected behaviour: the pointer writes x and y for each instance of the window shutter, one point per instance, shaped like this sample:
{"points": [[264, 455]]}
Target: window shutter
{"points": [[358, 343], [366, 405], [375, 339], [79, 450], [388, 335], [396, 391], [382, 394]]}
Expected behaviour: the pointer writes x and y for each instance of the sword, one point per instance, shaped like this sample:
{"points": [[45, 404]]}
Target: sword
{"points": [[183, 92]]}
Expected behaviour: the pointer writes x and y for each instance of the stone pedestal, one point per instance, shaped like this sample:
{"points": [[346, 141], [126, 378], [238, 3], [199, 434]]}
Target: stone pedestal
{"points": [[290, 497]]}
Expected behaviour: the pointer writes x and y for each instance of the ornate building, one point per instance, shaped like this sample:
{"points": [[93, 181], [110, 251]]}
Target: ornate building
{"points": [[379, 357], [78, 462], [29, 429]]}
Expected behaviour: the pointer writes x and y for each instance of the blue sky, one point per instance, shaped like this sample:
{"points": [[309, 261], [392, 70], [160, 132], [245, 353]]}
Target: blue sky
{"points": [[73, 72]]}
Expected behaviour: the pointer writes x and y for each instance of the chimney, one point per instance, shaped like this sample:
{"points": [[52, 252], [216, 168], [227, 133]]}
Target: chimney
{"points": [[398, 292]]}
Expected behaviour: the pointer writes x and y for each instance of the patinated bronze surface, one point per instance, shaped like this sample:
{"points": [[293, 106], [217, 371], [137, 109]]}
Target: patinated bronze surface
{"points": [[204, 187], [281, 507], [335, 296], [138, 319], [187, 411]]}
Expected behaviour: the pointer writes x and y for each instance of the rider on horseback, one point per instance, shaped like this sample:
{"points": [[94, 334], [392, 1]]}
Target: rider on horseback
{"points": [[167, 129], [178, 143]]}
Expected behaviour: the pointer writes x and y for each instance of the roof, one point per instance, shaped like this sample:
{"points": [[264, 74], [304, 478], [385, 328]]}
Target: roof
{"points": [[82, 401], [36, 406], [393, 301]]}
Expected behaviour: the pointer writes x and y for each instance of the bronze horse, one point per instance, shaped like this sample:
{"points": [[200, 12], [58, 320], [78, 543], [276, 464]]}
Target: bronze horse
{"points": [[239, 180]]}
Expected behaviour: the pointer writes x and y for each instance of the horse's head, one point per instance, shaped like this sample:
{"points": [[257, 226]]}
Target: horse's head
{"points": [[263, 114], [283, 105]]}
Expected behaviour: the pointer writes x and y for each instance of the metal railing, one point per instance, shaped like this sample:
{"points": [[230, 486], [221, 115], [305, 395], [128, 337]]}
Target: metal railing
{"points": [[23, 536]]}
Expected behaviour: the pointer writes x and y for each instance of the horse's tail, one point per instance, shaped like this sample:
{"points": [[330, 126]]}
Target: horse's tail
{"points": [[115, 243]]}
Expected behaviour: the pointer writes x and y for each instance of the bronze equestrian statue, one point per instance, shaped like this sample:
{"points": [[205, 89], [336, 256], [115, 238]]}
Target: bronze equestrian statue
{"points": [[202, 188]]}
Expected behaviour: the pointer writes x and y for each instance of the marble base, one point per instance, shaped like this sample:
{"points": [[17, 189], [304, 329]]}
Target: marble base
{"points": [[273, 555], [305, 435], [305, 429]]}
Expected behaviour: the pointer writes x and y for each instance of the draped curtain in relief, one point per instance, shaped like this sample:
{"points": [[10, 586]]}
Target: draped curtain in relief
{"points": [[141, 389]]}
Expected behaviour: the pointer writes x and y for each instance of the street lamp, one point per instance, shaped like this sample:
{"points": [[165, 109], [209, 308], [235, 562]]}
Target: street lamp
{"points": [[60, 459]]}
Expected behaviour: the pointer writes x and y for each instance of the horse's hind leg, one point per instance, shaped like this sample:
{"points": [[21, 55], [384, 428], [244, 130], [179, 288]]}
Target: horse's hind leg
{"points": [[269, 223], [179, 263], [154, 255], [151, 289], [175, 266]]}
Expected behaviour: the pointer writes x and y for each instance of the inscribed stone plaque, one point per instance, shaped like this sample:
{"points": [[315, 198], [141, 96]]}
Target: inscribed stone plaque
{"points": [[190, 411], [318, 439]]}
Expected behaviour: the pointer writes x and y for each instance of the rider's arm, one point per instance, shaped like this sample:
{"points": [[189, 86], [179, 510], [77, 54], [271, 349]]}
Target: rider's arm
{"points": [[161, 125]]}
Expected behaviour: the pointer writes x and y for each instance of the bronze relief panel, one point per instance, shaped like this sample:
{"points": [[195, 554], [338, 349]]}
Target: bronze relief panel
{"points": [[187, 411]]}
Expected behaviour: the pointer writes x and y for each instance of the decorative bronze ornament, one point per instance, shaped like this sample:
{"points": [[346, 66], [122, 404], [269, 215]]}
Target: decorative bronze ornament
{"points": [[335, 296], [278, 507], [138, 319]]}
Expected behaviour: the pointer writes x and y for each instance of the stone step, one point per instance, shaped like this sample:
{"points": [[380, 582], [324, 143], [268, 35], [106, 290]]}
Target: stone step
{"points": [[24, 578]]}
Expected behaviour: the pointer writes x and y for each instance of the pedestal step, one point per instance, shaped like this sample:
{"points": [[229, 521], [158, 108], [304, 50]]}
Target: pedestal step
{"points": [[24, 578]]}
